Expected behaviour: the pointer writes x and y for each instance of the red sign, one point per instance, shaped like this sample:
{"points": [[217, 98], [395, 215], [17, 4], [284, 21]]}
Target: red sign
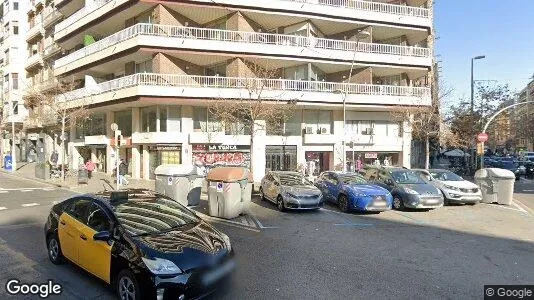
{"points": [[482, 137], [371, 155]]}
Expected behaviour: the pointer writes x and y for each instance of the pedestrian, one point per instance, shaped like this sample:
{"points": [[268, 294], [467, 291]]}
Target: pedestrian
{"points": [[90, 167], [123, 170], [359, 164]]}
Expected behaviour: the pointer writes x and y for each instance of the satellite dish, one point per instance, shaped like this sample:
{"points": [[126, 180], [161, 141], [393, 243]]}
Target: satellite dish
{"points": [[114, 126]]}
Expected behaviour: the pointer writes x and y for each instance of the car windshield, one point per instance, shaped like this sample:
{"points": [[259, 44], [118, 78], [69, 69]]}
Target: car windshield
{"points": [[352, 179], [406, 177], [445, 176], [150, 214], [293, 180]]}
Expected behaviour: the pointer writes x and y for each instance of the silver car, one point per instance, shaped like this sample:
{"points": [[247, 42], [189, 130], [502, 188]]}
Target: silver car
{"points": [[290, 190]]}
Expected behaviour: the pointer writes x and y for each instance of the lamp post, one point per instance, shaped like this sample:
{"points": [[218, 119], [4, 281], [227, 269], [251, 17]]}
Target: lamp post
{"points": [[360, 35], [117, 132], [473, 95]]}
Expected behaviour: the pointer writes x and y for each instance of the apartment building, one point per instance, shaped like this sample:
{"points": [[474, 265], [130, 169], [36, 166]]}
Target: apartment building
{"points": [[12, 43], [524, 119], [153, 67]]}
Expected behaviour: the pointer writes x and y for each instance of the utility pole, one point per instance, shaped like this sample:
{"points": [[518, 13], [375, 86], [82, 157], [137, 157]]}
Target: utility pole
{"points": [[473, 102]]}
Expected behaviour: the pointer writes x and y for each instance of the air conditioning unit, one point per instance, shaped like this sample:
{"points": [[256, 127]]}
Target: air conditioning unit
{"points": [[324, 130], [309, 130]]}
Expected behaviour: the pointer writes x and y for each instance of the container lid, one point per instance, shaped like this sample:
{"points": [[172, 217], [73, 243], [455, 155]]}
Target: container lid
{"points": [[494, 173], [229, 174], [175, 170]]}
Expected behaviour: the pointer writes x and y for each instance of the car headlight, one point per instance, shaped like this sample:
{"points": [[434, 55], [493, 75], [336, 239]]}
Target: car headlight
{"points": [[160, 266], [226, 240], [410, 191], [450, 187], [290, 195]]}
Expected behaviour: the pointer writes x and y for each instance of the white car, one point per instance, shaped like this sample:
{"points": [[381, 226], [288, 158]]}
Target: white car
{"points": [[455, 189]]}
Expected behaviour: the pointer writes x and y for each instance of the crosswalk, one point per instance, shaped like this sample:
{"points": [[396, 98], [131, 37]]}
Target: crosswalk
{"points": [[26, 190]]}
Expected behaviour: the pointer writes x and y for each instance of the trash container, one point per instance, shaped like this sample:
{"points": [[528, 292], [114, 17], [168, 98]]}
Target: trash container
{"points": [[83, 176], [497, 185], [180, 182], [8, 160], [227, 191]]}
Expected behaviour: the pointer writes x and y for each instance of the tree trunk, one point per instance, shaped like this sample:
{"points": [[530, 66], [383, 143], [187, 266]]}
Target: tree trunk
{"points": [[62, 138], [252, 152], [427, 152]]}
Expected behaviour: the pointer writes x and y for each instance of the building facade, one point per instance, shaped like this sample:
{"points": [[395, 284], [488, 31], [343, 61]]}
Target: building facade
{"points": [[12, 59], [524, 119], [154, 67]]}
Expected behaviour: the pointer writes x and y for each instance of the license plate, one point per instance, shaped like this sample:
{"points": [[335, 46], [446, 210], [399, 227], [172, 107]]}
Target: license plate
{"points": [[214, 275], [379, 203], [432, 201]]}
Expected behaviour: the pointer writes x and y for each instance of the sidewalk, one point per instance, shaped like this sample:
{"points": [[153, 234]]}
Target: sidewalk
{"points": [[98, 182]]}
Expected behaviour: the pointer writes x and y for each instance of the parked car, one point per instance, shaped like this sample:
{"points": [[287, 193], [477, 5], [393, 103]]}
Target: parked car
{"points": [[529, 170], [350, 191], [290, 190], [408, 189], [514, 167], [144, 244], [455, 189]]}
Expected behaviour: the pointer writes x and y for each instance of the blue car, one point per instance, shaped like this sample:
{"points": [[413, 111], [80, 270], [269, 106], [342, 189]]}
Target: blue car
{"points": [[350, 191]]}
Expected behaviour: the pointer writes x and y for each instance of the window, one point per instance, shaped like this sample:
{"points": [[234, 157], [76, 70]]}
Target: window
{"points": [[356, 127], [15, 107], [149, 119], [124, 121], [6, 82], [79, 209], [162, 118], [6, 55], [174, 118], [15, 27], [15, 6], [97, 219], [318, 121], [292, 127], [216, 70], [205, 121], [15, 78], [144, 67]]}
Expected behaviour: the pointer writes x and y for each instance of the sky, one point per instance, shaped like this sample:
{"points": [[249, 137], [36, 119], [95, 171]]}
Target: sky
{"points": [[502, 30]]}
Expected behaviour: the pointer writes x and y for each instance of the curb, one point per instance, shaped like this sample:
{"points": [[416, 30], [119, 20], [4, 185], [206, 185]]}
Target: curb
{"points": [[37, 180]]}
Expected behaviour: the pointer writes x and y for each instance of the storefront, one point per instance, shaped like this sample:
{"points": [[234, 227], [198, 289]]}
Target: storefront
{"points": [[372, 158], [281, 158], [167, 154], [317, 162], [207, 155]]}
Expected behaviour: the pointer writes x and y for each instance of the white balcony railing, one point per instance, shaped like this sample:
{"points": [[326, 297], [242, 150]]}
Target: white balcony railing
{"points": [[240, 37], [402, 10], [80, 14], [35, 59], [35, 30], [171, 80]]}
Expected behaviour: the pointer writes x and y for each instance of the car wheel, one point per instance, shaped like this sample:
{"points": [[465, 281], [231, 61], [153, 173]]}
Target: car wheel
{"points": [[343, 203], [54, 250], [127, 286], [262, 195], [280, 203], [397, 203]]}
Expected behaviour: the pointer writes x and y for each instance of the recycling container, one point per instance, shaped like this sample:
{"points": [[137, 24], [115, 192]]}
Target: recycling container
{"points": [[497, 185], [227, 191], [179, 182]]}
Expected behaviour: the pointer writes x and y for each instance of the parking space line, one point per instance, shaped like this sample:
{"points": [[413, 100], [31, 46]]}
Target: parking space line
{"points": [[3, 208], [260, 224], [409, 217], [362, 225], [29, 204]]}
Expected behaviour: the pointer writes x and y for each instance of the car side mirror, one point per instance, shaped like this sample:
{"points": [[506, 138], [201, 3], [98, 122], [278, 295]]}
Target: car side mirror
{"points": [[102, 236]]}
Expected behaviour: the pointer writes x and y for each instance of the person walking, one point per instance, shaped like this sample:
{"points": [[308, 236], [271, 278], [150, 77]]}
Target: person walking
{"points": [[123, 170], [90, 167]]}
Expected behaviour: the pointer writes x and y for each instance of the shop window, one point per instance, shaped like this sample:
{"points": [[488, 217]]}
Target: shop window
{"points": [[149, 119], [318, 121], [124, 121], [93, 125], [281, 158]]}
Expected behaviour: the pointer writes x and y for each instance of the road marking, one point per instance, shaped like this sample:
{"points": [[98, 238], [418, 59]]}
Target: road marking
{"points": [[3, 192], [409, 217], [25, 191], [500, 206], [29, 204], [3, 208], [260, 224], [363, 225], [227, 222], [528, 190], [55, 202]]}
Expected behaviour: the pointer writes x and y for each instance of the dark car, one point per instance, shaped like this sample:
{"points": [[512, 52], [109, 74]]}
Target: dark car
{"points": [[512, 166], [407, 187], [350, 191], [144, 244]]}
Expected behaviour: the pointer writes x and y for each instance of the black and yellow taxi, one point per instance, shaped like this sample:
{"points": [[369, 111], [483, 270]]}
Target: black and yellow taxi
{"points": [[145, 245]]}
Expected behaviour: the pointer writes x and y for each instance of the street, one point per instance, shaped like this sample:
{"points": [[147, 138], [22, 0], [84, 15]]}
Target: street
{"points": [[450, 252]]}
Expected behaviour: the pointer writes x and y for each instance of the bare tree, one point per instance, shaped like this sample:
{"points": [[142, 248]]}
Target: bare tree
{"points": [[425, 122], [247, 113], [53, 109]]}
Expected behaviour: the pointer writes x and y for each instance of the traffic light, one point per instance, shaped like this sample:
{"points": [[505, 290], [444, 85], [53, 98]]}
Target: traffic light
{"points": [[480, 148]]}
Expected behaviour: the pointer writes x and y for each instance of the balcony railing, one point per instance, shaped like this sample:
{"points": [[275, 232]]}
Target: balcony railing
{"points": [[171, 80], [80, 14], [35, 59], [51, 49], [51, 17], [402, 10], [240, 37], [34, 30]]}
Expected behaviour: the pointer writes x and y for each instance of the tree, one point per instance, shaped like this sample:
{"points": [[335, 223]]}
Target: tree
{"points": [[254, 111], [53, 109]]}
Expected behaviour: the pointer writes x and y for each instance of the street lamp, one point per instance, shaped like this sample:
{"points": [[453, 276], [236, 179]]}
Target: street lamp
{"points": [[115, 129], [360, 35], [473, 96]]}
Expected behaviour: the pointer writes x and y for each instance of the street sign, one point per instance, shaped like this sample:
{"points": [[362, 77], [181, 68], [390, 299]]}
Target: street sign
{"points": [[482, 137], [114, 126]]}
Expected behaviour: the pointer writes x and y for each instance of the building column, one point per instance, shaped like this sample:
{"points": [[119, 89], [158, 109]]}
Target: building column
{"points": [[110, 150], [136, 162], [339, 132], [187, 127], [146, 161]]}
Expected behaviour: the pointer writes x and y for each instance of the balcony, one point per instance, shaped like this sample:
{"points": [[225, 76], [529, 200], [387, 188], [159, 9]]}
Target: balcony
{"points": [[51, 18], [34, 61], [348, 9], [214, 87], [34, 31], [51, 50], [241, 41], [82, 17]]}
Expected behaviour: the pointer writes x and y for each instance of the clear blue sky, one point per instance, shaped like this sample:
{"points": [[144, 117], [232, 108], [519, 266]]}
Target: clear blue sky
{"points": [[503, 30]]}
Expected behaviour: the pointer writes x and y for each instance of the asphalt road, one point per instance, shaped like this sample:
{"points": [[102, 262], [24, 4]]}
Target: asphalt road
{"points": [[447, 253]]}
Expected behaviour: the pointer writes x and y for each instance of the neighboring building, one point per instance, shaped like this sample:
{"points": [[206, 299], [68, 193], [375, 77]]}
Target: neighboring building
{"points": [[12, 58], [152, 67], [524, 119]]}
